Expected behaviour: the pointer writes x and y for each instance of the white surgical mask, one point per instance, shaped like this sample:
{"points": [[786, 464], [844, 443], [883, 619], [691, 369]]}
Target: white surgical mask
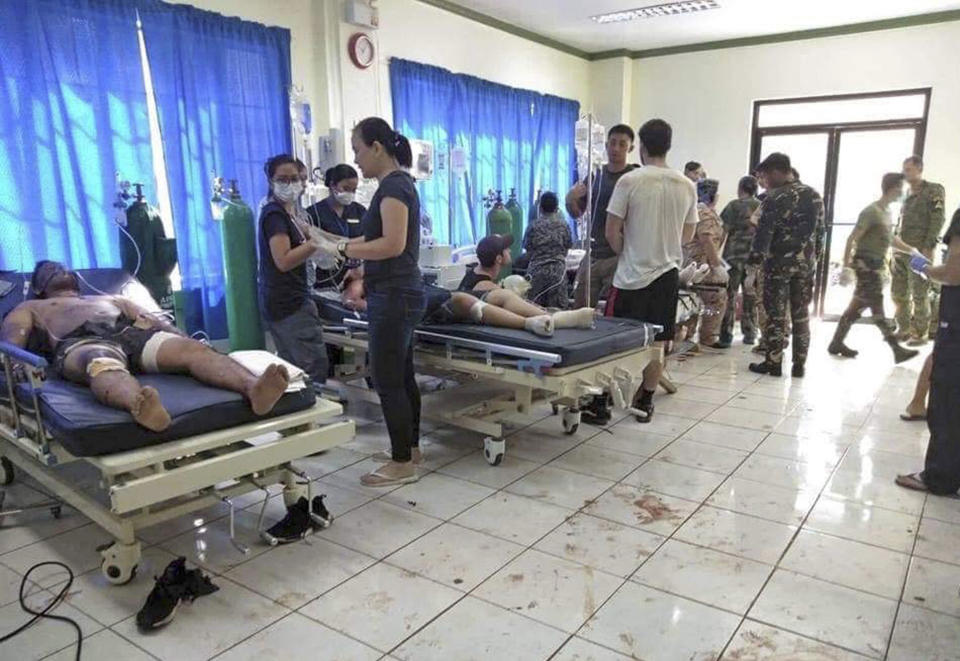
{"points": [[287, 191], [344, 197]]}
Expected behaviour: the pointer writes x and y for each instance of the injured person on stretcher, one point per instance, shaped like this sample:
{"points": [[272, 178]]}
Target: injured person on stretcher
{"points": [[101, 341], [498, 307]]}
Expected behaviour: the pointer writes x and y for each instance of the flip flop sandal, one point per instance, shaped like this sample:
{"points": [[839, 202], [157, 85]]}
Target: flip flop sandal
{"points": [[910, 417], [378, 479], [911, 481]]}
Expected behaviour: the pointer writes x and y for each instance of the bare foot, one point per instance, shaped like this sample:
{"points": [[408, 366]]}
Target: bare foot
{"points": [[268, 389], [148, 411]]}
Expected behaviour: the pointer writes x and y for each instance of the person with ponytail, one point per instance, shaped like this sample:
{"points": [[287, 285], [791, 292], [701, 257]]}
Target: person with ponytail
{"points": [[338, 214], [390, 250], [286, 245]]}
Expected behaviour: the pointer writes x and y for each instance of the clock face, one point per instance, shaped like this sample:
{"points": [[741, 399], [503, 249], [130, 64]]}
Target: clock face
{"points": [[362, 51]]}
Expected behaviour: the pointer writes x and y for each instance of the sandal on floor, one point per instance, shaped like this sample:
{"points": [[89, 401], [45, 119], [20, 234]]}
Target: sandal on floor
{"points": [[378, 479], [910, 417], [912, 481]]}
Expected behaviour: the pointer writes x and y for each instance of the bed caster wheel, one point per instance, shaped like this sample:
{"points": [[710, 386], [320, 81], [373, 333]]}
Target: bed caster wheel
{"points": [[7, 476], [571, 422], [119, 564], [555, 408], [493, 450]]}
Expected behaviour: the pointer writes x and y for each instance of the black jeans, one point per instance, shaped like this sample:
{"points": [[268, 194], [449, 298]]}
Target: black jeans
{"points": [[393, 313], [941, 472]]}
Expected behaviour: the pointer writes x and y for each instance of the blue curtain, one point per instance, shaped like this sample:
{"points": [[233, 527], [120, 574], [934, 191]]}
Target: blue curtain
{"points": [[515, 139], [222, 90], [73, 113]]}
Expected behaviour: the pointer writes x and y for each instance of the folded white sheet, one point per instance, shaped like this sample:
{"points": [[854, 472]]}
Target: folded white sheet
{"points": [[257, 361]]}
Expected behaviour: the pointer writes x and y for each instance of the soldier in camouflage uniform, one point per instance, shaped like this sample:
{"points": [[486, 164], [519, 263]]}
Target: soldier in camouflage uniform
{"points": [[547, 241], [872, 237], [740, 232], [788, 243], [921, 220]]}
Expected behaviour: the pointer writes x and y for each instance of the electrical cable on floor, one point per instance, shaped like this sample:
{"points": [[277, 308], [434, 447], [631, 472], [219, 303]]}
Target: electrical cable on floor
{"points": [[45, 613]]}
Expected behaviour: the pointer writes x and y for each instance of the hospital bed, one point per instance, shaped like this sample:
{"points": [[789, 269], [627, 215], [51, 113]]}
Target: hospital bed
{"points": [[566, 370], [214, 451]]}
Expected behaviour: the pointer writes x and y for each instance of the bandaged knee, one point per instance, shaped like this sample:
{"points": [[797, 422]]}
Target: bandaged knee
{"points": [[98, 366], [476, 311]]}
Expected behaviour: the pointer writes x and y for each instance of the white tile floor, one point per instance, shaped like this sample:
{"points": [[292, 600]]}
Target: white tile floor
{"points": [[755, 518]]}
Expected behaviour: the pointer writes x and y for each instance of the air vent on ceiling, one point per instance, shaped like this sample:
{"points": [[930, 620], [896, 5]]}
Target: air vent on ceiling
{"points": [[654, 11]]}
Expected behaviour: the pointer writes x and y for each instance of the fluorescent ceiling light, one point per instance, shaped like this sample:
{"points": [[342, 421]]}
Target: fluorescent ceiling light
{"points": [[654, 11]]}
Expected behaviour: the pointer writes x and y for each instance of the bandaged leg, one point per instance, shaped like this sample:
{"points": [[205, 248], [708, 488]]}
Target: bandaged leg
{"points": [[582, 318], [180, 354], [113, 385], [466, 306], [510, 301]]}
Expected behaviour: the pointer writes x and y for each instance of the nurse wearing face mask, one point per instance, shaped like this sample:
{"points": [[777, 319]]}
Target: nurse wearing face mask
{"points": [[285, 247], [338, 214]]}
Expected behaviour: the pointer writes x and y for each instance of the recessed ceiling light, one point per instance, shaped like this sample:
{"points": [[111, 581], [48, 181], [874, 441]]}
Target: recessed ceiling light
{"points": [[654, 11]]}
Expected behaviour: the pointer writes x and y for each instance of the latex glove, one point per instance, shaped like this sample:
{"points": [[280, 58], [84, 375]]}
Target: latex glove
{"points": [[324, 247], [918, 262], [719, 275], [750, 282], [847, 276], [700, 273], [686, 273]]}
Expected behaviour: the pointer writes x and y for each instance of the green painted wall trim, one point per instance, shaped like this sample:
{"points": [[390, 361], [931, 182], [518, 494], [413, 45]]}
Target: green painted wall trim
{"points": [[816, 33], [489, 21]]}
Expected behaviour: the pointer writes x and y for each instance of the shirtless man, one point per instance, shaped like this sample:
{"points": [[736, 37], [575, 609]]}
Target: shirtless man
{"points": [[99, 340]]}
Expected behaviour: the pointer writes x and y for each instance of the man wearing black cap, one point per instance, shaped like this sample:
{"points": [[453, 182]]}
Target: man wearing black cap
{"points": [[788, 244], [493, 253]]}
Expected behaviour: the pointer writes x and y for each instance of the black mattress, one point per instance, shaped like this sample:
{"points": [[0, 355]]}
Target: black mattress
{"points": [[87, 428], [575, 346]]}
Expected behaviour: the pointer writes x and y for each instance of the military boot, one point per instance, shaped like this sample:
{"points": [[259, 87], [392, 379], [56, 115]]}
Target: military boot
{"points": [[837, 347], [901, 354]]}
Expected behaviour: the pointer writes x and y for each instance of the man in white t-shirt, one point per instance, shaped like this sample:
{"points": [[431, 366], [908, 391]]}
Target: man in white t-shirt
{"points": [[651, 214]]}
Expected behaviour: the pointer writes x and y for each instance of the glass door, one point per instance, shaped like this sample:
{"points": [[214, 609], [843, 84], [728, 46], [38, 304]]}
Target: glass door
{"points": [[863, 157], [807, 151]]}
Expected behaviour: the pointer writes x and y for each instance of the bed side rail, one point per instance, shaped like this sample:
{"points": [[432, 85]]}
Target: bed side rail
{"points": [[22, 355]]}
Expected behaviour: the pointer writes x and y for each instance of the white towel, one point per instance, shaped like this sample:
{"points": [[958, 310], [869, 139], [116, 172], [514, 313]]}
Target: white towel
{"points": [[257, 362]]}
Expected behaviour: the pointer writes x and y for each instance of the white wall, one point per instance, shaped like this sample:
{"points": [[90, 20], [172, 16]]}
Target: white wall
{"points": [[708, 97], [415, 31], [611, 90]]}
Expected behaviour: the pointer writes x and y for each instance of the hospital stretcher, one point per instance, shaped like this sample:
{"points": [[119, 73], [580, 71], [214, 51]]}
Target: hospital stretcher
{"points": [[565, 370], [215, 450]]}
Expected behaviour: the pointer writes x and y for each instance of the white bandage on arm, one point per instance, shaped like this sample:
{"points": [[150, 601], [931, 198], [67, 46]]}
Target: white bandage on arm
{"points": [[100, 365], [476, 311]]}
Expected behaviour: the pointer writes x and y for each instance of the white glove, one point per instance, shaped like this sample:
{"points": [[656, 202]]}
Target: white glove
{"points": [[324, 247], [686, 273], [750, 282], [700, 273], [847, 276], [719, 275]]}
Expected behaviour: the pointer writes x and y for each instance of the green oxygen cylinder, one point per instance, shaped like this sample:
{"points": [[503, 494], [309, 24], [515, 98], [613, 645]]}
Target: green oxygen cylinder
{"points": [[145, 250], [499, 219], [238, 237], [516, 211]]}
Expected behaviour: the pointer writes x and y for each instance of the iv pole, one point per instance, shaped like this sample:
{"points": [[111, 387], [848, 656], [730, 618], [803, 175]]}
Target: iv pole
{"points": [[589, 236]]}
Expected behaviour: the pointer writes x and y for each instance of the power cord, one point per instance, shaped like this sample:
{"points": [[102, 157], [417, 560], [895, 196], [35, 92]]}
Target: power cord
{"points": [[45, 613]]}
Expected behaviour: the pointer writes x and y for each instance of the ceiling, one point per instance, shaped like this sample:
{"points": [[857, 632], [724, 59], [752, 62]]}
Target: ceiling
{"points": [[568, 21]]}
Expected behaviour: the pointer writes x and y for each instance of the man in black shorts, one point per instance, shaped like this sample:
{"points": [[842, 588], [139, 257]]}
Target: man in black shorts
{"points": [[652, 213]]}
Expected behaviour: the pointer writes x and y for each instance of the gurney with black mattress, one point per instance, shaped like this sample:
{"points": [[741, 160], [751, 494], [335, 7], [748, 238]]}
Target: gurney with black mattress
{"points": [[215, 449], [569, 369]]}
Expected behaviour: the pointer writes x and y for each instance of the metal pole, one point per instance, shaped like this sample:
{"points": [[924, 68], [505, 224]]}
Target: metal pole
{"points": [[589, 211]]}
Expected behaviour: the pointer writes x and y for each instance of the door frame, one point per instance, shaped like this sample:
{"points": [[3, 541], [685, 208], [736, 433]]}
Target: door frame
{"points": [[834, 131]]}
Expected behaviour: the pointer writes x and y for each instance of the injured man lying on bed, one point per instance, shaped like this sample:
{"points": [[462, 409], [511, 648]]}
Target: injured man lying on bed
{"points": [[101, 341], [499, 307]]}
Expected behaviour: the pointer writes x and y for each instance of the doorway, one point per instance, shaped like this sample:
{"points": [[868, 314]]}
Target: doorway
{"points": [[841, 146]]}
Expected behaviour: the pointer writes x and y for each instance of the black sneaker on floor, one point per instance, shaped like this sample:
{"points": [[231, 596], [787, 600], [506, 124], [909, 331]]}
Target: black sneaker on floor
{"points": [[749, 339], [294, 526], [176, 585], [597, 412], [168, 591], [797, 371], [319, 514], [773, 369]]}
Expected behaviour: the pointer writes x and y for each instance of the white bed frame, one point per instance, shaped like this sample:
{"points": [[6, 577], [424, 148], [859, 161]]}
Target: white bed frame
{"points": [[520, 376], [153, 484]]}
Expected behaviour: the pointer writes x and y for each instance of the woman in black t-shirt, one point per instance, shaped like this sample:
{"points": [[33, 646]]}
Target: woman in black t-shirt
{"points": [[339, 214], [390, 248], [292, 317]]}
